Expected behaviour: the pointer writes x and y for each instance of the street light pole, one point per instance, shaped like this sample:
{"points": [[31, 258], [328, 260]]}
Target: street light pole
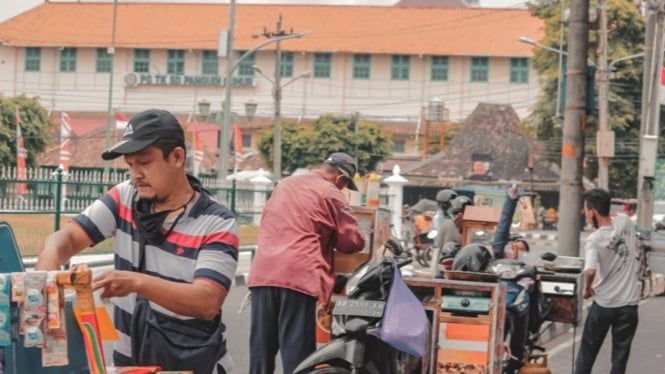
{"points": [[109, 114], [277, 88], [226, 119], [222, 158]]}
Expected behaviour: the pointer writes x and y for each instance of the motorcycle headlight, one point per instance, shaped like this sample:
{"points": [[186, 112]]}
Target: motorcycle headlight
{"points": [[352, 282]]}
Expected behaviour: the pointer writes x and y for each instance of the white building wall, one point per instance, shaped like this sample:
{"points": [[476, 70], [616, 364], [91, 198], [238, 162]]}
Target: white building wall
{"points": [[86, 90]]}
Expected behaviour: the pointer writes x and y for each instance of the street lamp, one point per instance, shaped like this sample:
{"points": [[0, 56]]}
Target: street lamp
{"points": [[561, 53], [277, 96], [231, 66]]}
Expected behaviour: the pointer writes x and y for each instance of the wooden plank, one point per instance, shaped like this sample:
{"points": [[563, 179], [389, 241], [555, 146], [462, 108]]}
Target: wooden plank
{"points": [[459, 356], [446, 317], [456, 331]]}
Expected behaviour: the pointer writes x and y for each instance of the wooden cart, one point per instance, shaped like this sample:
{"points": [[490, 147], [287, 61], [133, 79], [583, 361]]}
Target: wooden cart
{"points": [[463, 340]]}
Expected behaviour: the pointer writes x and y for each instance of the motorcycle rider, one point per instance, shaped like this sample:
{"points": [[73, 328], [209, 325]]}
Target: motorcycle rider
{"points": [[502, 245], [451, 230], [443, 199]]}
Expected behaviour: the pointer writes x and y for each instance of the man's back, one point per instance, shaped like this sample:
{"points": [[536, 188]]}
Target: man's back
{"points": [[613, 251]]}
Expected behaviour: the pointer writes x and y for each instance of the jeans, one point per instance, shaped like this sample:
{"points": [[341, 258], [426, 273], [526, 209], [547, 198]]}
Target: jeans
{"points": [[623, 321]]}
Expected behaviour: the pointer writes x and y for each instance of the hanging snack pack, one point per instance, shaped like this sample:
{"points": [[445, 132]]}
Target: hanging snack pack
{"points": [[5, 311], [34, 309], [54, 352]]}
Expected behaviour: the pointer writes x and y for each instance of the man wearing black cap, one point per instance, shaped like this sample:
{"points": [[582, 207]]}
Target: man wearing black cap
{"points": [[175, 251], [306, 217]]}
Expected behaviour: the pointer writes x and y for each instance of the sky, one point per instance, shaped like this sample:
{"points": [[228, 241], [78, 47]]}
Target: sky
{"points": [[10, 8]]}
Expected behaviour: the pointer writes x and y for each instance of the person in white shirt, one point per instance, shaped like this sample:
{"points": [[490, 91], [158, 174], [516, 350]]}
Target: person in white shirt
{"points": [[611, 275]]}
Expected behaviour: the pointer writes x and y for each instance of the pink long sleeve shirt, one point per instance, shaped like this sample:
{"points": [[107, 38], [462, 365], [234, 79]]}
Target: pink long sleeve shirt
{"points": [[305, 218]]}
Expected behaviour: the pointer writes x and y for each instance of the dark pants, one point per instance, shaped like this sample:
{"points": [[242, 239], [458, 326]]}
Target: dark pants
{"points": [[623, 321], [283, 320]]}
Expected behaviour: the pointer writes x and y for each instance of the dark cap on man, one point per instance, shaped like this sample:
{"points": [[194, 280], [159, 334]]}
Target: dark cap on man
{"points": [[144, 130], [346, 165]]}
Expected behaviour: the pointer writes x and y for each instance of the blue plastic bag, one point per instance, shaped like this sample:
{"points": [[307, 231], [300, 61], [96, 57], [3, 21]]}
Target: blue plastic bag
{"points": [[403, 305]]}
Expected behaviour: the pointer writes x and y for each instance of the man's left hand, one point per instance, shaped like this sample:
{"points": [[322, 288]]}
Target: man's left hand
{"points": [[116, 283]]}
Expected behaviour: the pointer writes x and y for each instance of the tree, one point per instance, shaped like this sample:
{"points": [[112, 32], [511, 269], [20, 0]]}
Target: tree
{"points": [[35, 127], [626, 37], [306, 146]]}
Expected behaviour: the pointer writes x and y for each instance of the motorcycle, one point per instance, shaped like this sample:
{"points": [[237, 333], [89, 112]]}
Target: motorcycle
{"points": [[526, 310], [355, 346]]}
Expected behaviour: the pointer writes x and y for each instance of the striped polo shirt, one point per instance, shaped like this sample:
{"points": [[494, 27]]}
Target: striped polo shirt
{"points": [[203, 244]]}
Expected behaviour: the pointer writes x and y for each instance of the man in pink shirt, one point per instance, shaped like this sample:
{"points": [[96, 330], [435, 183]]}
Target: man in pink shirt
{"points": [[306, 218]]}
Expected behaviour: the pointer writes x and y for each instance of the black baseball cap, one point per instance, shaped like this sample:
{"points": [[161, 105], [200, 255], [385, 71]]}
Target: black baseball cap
{"points": [[143, 130], [346, 165]]}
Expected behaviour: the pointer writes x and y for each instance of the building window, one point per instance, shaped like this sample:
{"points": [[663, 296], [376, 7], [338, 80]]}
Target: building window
{"points": [[439, 68], [103, 60], [246, 141], [399, 146], [361, 66], [141, 61], [175, 62], [286, 65], [400, 68], [68, 60], [209, 63], [519, 70], [246, 66], [322, 65], [480, 69], [33, 58]]}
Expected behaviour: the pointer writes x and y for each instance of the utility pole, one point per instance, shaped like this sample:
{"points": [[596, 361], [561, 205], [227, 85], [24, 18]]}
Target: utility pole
{"points": [[649, 127], [604, 136], [277, 95], [574, 121]]}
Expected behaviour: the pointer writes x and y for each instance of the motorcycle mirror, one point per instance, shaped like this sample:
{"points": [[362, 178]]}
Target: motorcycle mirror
{"points": [[548, 256], [432, 234]]}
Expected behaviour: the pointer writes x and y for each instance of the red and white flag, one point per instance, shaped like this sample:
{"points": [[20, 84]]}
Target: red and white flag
{"points": [[65, 135], [120, 121], [197, 150], [21, 156]]}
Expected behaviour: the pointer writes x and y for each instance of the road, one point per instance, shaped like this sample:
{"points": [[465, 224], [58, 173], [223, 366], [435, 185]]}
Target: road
{"points": [[648, 352]]}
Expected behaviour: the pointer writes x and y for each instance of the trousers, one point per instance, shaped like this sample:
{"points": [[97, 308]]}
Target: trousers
{"points": [[282, 320], [623, 321]]}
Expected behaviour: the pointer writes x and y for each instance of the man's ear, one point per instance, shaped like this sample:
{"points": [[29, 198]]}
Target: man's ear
{"points": [[178, 155]]}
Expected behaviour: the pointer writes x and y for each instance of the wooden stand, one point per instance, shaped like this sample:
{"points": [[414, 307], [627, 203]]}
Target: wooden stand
{"points": [[481, 333], [479, 218]]}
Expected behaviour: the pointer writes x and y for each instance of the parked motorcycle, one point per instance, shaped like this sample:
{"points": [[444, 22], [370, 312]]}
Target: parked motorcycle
{"points": [[355, 346], [526, 307]]}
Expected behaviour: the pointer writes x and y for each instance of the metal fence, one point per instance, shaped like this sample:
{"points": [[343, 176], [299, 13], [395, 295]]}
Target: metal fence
{"points": [[39, 203]]}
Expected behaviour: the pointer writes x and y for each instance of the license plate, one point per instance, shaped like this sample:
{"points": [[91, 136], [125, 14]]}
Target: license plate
{"points": [[361, 308]]}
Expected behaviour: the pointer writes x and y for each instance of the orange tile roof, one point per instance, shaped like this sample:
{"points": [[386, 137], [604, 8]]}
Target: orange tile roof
{"points": [[361, 29]]}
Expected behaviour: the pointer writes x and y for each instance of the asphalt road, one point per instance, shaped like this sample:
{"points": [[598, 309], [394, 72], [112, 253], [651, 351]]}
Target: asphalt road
{"points": [[648, 352]]}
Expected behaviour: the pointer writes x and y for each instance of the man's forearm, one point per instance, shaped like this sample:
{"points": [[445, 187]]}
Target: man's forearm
{"points": [[57, 250], [188, 299]]}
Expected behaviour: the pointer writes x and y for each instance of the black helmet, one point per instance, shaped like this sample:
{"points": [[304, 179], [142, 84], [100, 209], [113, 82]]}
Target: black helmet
{"points": [[459, 203], [473, 257], [444, 197], [449, 250]]}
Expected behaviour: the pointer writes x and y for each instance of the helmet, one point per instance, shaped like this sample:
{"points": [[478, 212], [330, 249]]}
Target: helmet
{"points": [[473, 257], [459, 203], [444, 197]]}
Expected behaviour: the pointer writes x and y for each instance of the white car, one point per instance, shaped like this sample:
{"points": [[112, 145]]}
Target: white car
{"points": [[658, 213]]}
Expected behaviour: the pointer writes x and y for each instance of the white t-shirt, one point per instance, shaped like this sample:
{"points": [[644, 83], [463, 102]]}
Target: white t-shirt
{"points": [[613, 252]]}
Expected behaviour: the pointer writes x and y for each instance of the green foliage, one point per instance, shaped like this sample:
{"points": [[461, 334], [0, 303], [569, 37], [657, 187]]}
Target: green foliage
{"points": [[306, 146], [625, 38], [35, 127]]}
